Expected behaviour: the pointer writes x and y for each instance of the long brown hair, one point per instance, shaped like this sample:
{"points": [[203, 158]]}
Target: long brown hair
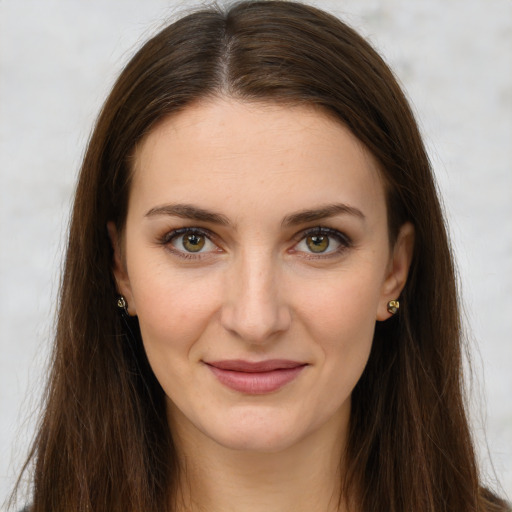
{"points": [[103, 442]]}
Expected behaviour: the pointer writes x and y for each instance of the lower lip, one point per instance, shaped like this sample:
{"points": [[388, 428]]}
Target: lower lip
{"points": [[256, 383]]}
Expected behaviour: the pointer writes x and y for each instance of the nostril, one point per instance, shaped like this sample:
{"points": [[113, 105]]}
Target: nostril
{"points": [[254, 309], [255, 324]]}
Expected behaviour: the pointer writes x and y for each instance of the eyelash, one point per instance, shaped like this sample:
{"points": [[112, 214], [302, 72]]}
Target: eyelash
{"points": [[344, 241]]}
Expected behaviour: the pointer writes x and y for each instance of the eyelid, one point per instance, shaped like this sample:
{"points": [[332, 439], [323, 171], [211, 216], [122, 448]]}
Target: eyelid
{"points": [[323, 230], [173, 233]]}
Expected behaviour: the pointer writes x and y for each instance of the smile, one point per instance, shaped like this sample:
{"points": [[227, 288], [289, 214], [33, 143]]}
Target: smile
{"points": [[256, 378]]}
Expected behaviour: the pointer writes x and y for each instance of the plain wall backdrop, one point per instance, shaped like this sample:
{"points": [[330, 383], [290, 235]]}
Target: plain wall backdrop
{"points": [[58, 60]]}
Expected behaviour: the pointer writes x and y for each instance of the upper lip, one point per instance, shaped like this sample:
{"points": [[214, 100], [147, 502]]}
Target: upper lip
{"points": [[239, 365]]}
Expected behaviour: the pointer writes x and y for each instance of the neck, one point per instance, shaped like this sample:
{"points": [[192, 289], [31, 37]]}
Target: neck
{"points": [[303, 477]]}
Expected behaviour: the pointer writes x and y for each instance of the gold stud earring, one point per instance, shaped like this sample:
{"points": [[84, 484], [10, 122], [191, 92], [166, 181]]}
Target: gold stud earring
{"points": [[393, 306], [121, 304]]}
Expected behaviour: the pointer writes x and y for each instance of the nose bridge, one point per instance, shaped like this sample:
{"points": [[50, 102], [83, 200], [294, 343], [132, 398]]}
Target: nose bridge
{"points": [[255, 308]]}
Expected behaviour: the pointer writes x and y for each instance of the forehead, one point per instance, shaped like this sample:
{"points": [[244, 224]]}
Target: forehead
{"points": [[235, 154]]}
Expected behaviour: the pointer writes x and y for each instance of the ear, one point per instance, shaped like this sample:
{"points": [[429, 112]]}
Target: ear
{"points": [[119, 269], [398, 269]]}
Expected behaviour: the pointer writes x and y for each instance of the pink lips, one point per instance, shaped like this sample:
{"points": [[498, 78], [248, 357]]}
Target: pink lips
{"points": [[255, 378]]}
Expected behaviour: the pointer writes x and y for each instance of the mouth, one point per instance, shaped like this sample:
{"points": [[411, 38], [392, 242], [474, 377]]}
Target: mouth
{"points": [[256, 378]]}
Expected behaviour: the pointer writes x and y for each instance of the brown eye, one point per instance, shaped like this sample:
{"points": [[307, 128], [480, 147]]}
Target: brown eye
{"points": [[317, 243], [193, 242]]}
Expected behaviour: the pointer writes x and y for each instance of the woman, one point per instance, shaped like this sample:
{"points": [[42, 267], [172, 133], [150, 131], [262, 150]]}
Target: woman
{"points": [[258, 308]]}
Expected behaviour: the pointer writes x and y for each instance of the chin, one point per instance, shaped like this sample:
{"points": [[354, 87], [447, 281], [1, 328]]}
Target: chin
{"points": [[256, 441], [267, 431]]}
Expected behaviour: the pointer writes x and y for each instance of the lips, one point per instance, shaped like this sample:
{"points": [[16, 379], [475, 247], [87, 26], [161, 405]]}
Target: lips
{"points": [[256, 378]]}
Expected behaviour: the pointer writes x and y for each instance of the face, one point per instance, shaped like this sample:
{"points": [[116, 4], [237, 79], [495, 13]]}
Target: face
{"points": [[257, 258]]}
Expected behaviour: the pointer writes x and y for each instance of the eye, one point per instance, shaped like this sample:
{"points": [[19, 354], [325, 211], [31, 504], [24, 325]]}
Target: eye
{"points": [[322, 241], [189, 241]]}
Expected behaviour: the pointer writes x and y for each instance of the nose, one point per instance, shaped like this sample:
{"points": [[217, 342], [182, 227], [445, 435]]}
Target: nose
{"points": [[254, 308]]}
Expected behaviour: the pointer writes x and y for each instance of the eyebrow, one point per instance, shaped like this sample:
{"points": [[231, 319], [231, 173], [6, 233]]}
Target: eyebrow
{"points": [[323, 212], [191, 212], [188, 211]]}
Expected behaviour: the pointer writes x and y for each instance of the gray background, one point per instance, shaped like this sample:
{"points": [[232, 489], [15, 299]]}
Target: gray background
{"points": [[58, 59]]}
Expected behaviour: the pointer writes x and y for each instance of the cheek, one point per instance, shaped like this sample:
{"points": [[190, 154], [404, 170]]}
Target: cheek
{"points": [[343, 303], [341, 317], [173, 310], [174, 313]]}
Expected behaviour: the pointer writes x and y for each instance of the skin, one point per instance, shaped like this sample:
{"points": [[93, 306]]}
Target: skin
{"points": [[257, 291]]}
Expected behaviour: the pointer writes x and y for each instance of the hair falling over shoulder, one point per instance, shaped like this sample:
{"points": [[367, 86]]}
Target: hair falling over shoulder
{"points": [[103, 442]]}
